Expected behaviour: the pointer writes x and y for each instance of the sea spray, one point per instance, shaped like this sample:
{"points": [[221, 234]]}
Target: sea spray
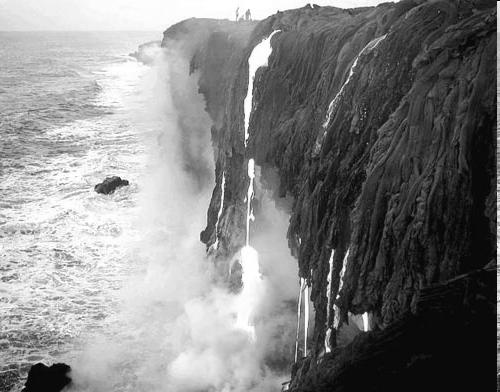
{"points": [[176, 321]]}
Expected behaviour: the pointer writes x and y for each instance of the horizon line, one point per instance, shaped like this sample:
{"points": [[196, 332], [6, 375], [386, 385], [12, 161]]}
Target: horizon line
{"points": [[83, 31]]}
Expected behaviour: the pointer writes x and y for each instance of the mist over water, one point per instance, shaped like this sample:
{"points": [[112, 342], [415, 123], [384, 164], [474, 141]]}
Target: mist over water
{"points": [[178, 326], [129, 298]]}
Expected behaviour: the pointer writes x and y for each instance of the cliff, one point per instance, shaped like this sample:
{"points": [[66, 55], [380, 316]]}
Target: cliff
{"points": [[379, 124]]}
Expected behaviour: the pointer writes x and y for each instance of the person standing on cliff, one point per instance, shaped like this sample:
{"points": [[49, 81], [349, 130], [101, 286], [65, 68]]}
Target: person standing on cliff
{"points": [[237, 13], [248, 15]]}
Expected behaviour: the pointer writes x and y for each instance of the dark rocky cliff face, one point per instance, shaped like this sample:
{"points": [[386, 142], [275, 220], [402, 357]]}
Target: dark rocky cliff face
{"points": [[380, 125]]}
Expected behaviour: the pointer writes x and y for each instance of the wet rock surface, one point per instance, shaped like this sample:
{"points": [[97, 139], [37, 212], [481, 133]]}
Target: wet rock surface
{"points": [[42, 378], [110, 184]]}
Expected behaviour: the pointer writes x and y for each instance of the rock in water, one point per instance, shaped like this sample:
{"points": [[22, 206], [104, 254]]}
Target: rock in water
{"points": [[42, 378], [8, 379], [110, 184]]}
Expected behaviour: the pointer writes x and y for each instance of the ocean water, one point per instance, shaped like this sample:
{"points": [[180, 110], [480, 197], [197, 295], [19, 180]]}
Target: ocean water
{"points": [[70, 115]]}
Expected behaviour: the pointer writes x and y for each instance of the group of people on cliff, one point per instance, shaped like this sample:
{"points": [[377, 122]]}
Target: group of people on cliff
{"points": [[246, 16]]}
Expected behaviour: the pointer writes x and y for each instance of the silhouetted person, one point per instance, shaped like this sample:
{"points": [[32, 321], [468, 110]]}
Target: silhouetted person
{"points": [[237, 13], [248, 15]]}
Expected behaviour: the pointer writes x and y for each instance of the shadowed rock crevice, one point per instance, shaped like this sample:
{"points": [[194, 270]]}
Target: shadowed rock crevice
{"points": [[423, 351]]}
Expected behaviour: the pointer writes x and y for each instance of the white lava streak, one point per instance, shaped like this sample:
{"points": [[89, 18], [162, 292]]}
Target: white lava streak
{"points": [[329, 303], [341, 283], [257, 59], [306, 317], [366, 322], [251, 278], [333, 104], [298, 318]]}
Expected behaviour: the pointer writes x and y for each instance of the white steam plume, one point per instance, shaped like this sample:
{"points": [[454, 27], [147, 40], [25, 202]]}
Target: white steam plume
{"points": [[177, 330]]}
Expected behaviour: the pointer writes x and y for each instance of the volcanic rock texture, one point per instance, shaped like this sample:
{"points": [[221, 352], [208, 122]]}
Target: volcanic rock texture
{"points": [[379, 124]]}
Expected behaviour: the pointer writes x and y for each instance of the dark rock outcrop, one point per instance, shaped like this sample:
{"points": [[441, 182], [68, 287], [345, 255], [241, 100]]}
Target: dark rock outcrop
{"points": [[8, 379], [110, 184], [443, 339], [42, 378], [380, 123]]}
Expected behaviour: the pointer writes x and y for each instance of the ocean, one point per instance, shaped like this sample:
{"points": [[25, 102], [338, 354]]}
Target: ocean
{"points": [[73, 110]]}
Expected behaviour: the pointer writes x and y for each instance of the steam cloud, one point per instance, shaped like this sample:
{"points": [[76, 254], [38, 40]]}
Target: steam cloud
{"points": [[177, 329]]}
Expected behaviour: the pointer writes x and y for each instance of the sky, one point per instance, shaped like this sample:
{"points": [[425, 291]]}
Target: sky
{"points": [[147, 15]]}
